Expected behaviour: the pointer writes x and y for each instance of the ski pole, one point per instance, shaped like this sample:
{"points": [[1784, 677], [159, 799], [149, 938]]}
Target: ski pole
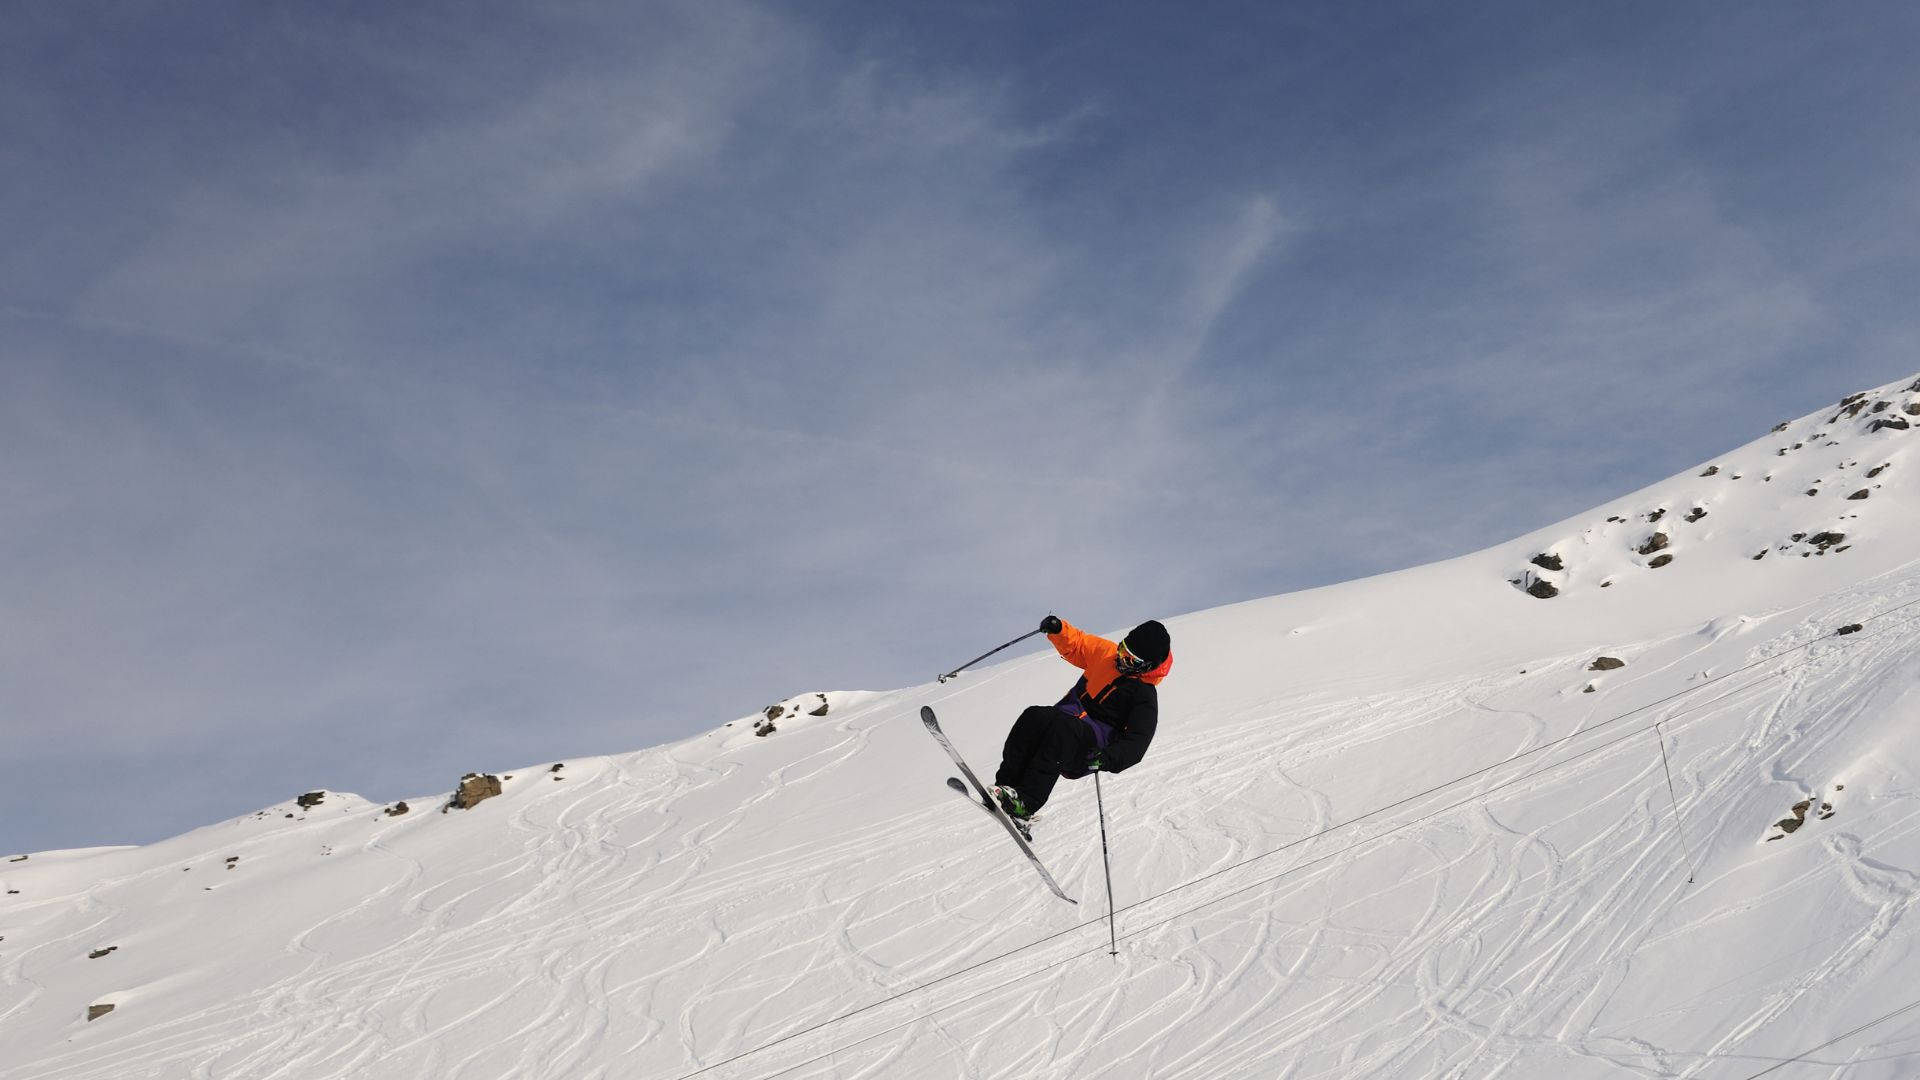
{"points": [[988, 653], [1113, 942]]}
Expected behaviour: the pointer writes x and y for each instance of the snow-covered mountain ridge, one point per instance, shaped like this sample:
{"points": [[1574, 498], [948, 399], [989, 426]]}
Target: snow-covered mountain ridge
{"points": [[681, 908]]}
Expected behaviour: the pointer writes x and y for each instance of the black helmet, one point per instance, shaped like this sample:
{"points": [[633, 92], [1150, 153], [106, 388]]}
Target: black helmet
{"points": [[1149, 643]]}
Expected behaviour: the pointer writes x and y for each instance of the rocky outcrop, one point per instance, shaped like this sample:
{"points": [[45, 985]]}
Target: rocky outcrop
{"points": [[1850, 407], [811, 704], [397, 809], [310, 800], [1799, 818], [95, 1012], [1606, 663], [475, 788], [1534, 585], [1658, 541], [1548, 562]]}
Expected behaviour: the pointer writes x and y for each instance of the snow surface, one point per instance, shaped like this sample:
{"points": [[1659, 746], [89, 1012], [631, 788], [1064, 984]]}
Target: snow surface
{"points": [[1308, 886]]}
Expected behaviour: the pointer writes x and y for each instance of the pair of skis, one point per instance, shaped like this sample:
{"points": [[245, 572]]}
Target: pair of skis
{"points": [[986, 801]]}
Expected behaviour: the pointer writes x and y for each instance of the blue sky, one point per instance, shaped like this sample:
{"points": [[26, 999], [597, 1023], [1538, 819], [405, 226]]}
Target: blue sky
{"points": [[388, 392]]}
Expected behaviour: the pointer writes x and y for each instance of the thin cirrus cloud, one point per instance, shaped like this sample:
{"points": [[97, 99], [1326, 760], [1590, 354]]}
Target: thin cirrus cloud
{"points": [[395, 397]]}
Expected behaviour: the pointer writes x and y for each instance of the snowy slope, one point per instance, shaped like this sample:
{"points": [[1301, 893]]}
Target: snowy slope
{"points": [[1323, 868]]}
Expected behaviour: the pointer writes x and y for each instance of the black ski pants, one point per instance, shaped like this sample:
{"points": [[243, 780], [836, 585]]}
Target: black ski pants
{"points": [[1044, 745]]}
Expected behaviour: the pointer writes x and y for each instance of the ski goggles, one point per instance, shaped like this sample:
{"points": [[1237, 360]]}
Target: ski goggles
{"points": [[1128, 663]]}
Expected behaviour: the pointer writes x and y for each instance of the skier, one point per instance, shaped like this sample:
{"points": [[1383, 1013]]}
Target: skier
{"points": [[1103, 724]]}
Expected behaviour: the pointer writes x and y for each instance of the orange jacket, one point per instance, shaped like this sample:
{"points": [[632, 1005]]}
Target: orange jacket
{"points": [[1096, 656]]}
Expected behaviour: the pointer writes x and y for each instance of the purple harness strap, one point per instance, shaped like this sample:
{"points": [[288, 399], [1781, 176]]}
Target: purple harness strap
{"points": [[1072, 707]]}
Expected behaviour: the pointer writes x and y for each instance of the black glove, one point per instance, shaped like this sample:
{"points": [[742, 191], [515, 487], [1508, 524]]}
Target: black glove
{"points": [[1050, 625]]}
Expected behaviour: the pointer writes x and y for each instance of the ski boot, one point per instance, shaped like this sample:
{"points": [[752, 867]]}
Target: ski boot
{"points": [[1009, 801]]}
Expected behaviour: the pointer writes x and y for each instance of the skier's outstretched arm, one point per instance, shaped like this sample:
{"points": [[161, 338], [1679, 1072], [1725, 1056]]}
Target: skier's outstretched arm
{"points": [[1079, 648]]}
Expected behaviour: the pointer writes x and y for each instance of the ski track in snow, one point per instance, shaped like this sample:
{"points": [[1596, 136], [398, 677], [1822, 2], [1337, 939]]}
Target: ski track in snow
{"points": [[1493, 970]]}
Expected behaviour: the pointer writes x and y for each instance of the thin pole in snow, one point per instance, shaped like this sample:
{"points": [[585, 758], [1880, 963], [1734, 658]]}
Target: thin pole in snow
{"points": [[1113, 941], [1679, 823]]}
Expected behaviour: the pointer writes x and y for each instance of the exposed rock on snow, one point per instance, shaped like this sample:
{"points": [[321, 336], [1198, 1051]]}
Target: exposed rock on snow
{"points": [[475, 788], [1606, 663], [1799, 811], [310, 800], [814, 704], [1548, 562], [1657, 542], [1659, 561], [95, 1012], [1534, 585]]}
